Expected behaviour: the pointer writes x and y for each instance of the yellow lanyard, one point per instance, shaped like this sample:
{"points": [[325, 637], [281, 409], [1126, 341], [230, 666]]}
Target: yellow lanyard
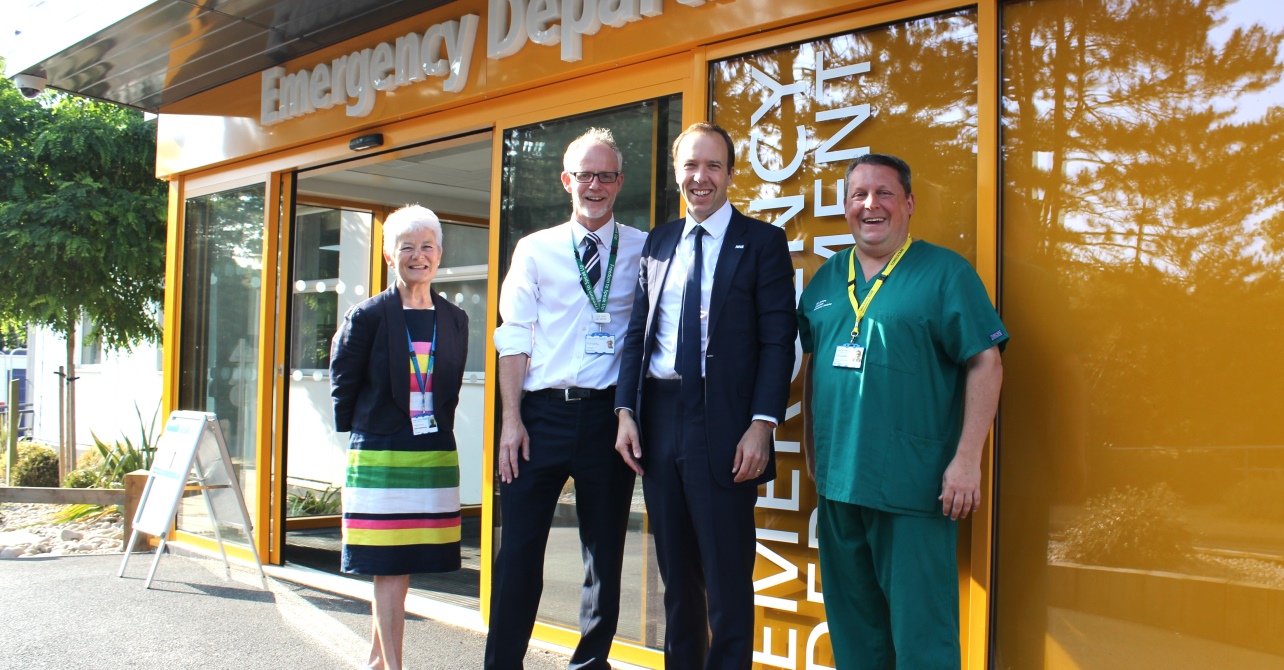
{"points": [[863, 305]]}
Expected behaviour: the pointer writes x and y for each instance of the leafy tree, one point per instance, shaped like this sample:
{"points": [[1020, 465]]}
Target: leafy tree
{"points": [[82, 220]]}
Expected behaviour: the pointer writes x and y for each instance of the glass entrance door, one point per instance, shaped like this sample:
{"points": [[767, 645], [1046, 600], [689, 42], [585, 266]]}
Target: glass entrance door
{"points": [[336, 263], [331, 274], [222, 264]]}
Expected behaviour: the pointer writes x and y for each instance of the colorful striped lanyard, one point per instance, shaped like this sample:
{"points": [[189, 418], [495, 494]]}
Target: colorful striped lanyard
{"points": [[422, 377]]}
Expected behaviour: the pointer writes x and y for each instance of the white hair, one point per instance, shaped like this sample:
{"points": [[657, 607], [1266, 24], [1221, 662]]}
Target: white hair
{"points": [[409, 219], [589, 138]]}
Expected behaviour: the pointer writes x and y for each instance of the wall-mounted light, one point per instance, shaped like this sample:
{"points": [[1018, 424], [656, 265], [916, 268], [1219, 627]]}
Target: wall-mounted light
{"points": [[366, 142]]}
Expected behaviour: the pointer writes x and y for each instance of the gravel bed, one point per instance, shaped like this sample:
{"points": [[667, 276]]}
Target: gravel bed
{"points": [[27, 529]]}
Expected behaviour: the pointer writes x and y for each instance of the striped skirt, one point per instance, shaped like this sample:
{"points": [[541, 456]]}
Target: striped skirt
{"points": [[400, 504]]}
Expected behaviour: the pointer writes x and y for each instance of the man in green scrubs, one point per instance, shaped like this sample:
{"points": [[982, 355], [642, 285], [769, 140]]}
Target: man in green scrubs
{"points": [[901, 388]]}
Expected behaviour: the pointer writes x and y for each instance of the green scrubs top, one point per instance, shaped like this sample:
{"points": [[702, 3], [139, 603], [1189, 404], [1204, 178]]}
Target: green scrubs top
{"points": [[885, 433]]}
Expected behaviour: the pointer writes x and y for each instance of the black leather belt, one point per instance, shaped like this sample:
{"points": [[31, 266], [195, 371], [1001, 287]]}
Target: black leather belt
{"points": [[575, 393]]}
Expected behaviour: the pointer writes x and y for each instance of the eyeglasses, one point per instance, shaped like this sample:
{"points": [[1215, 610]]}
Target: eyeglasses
{"points": [[602, 177]]}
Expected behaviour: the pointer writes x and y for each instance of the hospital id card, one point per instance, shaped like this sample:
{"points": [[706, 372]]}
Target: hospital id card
{"points": [[599, 343], [850, 356], [422, 424]]}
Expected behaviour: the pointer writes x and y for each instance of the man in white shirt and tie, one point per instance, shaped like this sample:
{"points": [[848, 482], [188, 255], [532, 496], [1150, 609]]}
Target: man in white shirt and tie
{"points": [[565, 306]]}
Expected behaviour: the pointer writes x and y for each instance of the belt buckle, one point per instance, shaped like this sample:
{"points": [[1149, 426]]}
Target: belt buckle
{"points": [[567, 393]]}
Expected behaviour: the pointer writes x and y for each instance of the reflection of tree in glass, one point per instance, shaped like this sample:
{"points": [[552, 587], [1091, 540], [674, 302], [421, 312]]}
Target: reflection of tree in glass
{"points": [[1124, 137], [532, 197], [222, 265], [315, 322], [1155, 195], [921, 92]]}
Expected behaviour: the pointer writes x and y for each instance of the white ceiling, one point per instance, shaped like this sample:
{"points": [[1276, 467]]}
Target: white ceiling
{"points": [[452, 180]]}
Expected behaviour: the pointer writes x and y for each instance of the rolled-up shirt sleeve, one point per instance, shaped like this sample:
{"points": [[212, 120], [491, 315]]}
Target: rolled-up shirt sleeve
{"points": [[518, 305]]}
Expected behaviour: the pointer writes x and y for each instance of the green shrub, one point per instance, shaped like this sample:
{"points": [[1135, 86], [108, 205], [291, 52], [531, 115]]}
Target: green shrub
{"points": [[114, 461], [1130, 528], [36, 466], [80, 479], [308, 503], [117, 460], [90, 460]]}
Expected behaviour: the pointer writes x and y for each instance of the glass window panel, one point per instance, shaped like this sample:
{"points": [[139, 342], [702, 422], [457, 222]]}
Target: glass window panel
{"points": [[533, 199], [470, 296], [316, 318], [316, 243], [464, 245], [1140, 460], [907, 89], [91, 346], [218, 350], [331, 270]]}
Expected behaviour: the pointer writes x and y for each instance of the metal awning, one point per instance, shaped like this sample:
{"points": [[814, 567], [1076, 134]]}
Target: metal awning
{"points": [[169, 50]]}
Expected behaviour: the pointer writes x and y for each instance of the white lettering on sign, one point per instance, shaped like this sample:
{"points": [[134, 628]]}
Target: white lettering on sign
{"points": [[789, 160], [444, 51], [548, 23]]}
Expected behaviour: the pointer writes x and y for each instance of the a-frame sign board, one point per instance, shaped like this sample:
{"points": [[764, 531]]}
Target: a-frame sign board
{"points": [[191, 455]]}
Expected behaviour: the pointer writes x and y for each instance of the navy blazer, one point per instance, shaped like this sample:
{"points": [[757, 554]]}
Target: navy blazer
{"points": [[370, 366], [749, 359]]}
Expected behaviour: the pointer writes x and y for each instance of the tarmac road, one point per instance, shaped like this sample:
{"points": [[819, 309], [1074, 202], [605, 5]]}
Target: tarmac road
{"points": [[73, 612]]}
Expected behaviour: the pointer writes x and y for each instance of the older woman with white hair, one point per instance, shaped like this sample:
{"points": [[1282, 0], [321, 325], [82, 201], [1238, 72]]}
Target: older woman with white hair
{"points": [[396, 366]]}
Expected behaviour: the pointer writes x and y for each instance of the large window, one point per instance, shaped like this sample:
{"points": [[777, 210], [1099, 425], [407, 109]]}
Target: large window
{"points": [[1141, 463], [799, 114], [219, 352], [533, 199]]}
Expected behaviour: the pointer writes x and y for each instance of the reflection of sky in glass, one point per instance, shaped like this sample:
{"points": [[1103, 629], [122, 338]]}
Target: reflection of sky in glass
{"points": [[1112, 198], [887, 53], [1242, 14]]}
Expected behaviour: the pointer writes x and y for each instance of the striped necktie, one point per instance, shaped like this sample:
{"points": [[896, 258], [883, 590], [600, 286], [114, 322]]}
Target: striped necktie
{"points": [[592, 262]]}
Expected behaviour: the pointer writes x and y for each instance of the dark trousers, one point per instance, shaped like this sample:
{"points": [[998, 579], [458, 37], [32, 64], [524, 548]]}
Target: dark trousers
{"points": [[704, 538], [568, 439]]}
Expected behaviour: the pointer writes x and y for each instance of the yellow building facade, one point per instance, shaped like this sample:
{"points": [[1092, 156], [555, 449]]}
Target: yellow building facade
{"points": [[1111, 168]]}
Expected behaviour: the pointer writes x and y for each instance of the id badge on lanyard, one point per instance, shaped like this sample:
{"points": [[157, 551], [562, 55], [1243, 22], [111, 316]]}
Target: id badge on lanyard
{"points": [[422, 424], [851, 355], [600, 342], [422, 418]]}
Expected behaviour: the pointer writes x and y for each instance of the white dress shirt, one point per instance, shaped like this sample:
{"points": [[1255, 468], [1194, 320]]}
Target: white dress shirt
{"points": [[669, 309], [668, 317], [546, 314]]}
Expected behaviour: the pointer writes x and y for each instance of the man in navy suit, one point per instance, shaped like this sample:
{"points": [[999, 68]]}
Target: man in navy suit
{"points": [[704, 380]]}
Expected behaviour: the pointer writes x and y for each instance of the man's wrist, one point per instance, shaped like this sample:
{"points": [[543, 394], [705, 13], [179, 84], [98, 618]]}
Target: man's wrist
{"points": [[769, 421]]}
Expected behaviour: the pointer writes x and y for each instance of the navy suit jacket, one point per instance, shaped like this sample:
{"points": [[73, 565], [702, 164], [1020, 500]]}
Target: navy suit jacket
{"points": [[749, 358], [370, 366]]}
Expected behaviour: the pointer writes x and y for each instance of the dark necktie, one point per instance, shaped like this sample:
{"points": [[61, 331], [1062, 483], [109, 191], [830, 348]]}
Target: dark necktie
{"points": [[689, 354], [592, 263]]}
